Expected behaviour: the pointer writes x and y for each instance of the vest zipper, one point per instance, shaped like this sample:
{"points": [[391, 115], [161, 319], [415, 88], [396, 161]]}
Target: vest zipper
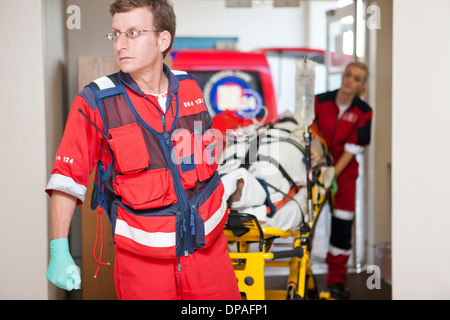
{"points": [[177, 183], [184, 216], [192, 225]]}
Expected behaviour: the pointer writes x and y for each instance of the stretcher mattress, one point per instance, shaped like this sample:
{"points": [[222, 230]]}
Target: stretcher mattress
{"points": [[259, 166]]}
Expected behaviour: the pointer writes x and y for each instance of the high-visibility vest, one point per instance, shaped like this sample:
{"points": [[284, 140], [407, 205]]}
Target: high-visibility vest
{"points": [[158, 181]]}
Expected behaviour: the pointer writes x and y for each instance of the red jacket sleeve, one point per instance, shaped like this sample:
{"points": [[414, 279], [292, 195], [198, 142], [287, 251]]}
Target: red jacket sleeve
{"points": [[77, 153]]}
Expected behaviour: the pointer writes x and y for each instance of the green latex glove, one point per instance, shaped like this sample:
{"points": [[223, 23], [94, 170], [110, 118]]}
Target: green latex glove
{"points": [[334, 186], [62, 270]]}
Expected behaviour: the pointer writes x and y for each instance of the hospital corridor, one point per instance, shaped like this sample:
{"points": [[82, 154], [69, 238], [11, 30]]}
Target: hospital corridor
{"points": [[225, 150]]}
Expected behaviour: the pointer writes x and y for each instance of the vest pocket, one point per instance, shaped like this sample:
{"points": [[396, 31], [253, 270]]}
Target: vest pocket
{"points": [[146, 190], [184, 158], [188, 172], [208, 214], [129, 148], [145, 233], [195, 156]]}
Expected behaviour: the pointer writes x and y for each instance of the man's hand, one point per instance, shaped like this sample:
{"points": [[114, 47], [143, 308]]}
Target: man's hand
{"points": [[62, 270]]}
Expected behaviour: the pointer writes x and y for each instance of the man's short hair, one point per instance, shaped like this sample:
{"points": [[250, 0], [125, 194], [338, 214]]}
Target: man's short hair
{"points": [[163, 14]]}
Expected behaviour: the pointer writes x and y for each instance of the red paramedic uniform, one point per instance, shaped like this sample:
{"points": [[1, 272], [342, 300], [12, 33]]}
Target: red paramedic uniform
{"points": [[156, 179], [348, 133]]}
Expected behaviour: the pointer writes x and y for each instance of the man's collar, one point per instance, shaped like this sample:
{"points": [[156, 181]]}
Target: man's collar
{"points": [[129, 82]]}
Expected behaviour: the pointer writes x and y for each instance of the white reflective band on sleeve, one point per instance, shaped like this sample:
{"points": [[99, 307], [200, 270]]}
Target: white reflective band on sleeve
{"points": [[353, 148], [343, 214], [150, 239], [215, 219], [66, 185], [104, 83]]}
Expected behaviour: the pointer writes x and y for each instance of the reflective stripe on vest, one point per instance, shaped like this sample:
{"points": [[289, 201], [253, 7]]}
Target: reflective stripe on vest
{"points": [[215, 219], [164, 239], [150, 239]]}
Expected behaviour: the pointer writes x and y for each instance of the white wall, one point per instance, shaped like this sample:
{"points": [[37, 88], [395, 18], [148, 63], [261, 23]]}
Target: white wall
{"points": [[260, 26], [420, 152], [256, 27], [54, 26], [378, 154], [23, 230], [32, 91], [316, 32]]}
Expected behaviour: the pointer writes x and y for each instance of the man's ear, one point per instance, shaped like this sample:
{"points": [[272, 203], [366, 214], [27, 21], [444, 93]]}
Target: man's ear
{"points": [[164, 40]]}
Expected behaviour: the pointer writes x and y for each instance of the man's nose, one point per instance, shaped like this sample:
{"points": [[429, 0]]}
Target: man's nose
{"points": [[121, 42]]}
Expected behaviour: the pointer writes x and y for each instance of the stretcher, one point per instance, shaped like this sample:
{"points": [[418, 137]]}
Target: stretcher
{"points": [[251, 239], [244, 229]]}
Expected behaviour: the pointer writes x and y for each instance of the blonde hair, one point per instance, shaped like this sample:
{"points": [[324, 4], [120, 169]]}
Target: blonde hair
{"points": [[362, 66]]}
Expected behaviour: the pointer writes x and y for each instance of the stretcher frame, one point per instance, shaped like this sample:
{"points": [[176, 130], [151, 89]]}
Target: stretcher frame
{"points": [[244, 229]]}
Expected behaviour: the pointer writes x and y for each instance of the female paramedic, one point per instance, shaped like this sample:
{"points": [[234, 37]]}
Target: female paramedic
{"points": [[344, 121], [148, 131]]}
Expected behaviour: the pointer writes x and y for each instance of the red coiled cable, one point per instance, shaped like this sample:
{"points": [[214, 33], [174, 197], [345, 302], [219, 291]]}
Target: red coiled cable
{"points": [[99, 215]]}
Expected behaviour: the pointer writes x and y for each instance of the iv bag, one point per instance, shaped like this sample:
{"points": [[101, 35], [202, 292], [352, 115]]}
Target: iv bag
{"points": [[305, 77]]}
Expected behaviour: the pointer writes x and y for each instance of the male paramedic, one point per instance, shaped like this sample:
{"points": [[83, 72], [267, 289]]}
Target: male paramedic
{"points": [[344, 121], [149, 133]]}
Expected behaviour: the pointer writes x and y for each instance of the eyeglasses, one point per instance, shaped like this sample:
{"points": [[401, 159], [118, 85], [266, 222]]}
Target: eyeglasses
{"points": [[130, 34]]}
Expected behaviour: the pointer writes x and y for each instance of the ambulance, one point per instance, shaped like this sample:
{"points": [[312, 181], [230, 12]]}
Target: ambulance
{"points": [[236, 85], [247, 87]]}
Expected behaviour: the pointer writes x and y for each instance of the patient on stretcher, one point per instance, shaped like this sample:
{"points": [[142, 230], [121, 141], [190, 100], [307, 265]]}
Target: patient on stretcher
{"points": [[264, 172]]}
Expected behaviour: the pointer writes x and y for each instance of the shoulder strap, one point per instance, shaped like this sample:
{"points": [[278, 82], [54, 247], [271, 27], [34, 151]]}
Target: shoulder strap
{"points": [[107, 86], [104, 87]]}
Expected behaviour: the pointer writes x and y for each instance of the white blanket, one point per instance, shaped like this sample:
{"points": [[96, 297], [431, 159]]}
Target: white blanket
{"points": [[280, 146]]}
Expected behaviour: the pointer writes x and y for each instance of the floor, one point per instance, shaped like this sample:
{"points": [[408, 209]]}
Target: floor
{"points": [[357, 284], [359, 281]]}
